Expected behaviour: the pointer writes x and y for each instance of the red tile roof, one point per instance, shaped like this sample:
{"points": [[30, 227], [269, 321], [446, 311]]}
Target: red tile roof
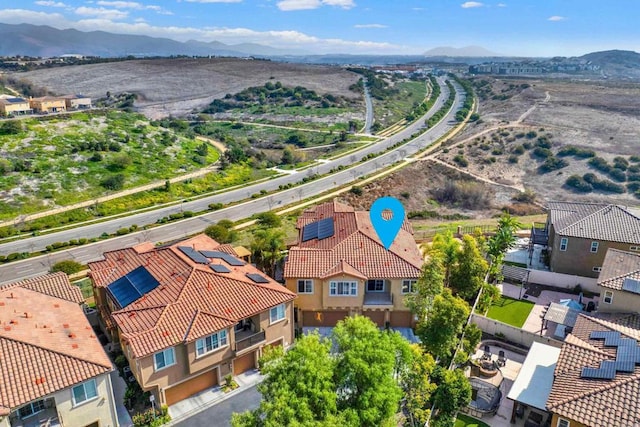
{"points": [[191, 300], [594, 402], [46, 342], [354, 244]]}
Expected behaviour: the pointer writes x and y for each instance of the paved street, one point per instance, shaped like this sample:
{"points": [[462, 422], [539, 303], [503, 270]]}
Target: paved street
{"points": [[220, 415], [35, 266]]}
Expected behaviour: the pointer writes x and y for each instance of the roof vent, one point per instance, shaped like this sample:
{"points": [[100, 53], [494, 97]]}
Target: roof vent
{"points": [[13, 322], [72, 335], [40, 380], [7, 328], [74, 345], [26, 315], [1, 303], [56, 305], [165, 334], [66, 325]]}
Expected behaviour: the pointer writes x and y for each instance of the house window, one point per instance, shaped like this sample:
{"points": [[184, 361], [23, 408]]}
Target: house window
{"points": [[84, 392], [634, 248], [597, 269], [563, 243], [305, 286], [409, 286], [563, 423], [594, 247], [608, 297], [164, 359], [375, 285], [31, 409], [211, 343], [343, 288], [276, 313]]}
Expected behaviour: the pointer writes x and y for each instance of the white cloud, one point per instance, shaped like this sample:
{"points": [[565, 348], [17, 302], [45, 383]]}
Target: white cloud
{"points": [[280, 39], [470, 4], [502, 5], [213, 1], [556, 18], [101, 12], [50, 3], [134, 5], [370, 26], [288, 5]]}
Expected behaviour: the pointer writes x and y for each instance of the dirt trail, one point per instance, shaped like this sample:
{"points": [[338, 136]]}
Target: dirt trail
{"points": [[478, 177]]}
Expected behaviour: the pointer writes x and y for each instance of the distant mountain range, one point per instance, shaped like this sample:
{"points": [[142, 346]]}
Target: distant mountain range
{"points": [[45, 41], [467, 51]]}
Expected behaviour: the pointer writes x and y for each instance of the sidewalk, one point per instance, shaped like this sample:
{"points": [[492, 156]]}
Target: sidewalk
{"points": [[208, 398], [119, 388]]}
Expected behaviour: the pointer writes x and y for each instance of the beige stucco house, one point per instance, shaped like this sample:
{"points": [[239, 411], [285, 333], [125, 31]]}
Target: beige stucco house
{"points": [[76, 102], [14, 106], [48, 104], [188, 314], [619, 282], [581, 233], [339, 267], [54, 370]]}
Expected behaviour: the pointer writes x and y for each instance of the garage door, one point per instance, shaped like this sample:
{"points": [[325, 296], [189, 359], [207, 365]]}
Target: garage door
{"points": [[322, 318], [191, 387], [376, 316], [401, 319], [244, 363]]}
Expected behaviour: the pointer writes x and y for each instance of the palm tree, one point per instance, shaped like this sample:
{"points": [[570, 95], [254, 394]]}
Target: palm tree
{"points": [[268, 248]]}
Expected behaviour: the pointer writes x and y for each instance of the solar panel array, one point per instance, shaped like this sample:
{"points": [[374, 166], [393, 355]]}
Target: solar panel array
{"points": [[257, 278], [631, 285], [627, 356], [321, 229], [132, 286], [229, 259], [193, 254], [219, 268]]}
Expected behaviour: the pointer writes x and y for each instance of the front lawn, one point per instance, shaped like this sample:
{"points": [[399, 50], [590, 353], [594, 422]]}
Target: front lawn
{"points": [[467, 421], [511, 311]]}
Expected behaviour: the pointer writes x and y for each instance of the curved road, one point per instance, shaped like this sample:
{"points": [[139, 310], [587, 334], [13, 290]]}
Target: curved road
{"points": [[38, 265]]}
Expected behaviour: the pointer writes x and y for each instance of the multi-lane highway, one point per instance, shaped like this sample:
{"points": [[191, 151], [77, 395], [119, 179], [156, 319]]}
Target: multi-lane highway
{"points": [[34, 266]]}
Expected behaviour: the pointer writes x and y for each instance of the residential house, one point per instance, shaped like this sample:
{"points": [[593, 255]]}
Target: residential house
{"points": [[187, 314], [48, 104], [14, 106], [619, 282], [596, 381], [581, 233], [339, 268], [76, 102], [54, 370]]}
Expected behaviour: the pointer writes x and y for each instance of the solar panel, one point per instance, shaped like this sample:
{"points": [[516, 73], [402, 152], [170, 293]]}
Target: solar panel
{"points": [[219, 268], [631, 285], [132, 286], [193, 254], [627, 356], [229, 259], [310, 231], [606, 371], [257, 278], [325, 228]]}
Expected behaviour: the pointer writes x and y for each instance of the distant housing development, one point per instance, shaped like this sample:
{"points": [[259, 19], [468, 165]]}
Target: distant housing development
{"points": [[12, 106], [54, 370], [339, 267]]}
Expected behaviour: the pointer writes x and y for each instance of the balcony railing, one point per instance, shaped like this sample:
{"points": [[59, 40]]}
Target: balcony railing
{"points": [[251, 340], [378, 298]]}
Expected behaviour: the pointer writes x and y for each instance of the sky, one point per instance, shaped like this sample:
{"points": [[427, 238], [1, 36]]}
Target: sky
{"points": [[509, 27]]}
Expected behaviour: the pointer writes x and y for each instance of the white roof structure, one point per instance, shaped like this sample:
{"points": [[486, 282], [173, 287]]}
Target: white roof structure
{"points": [[533, 384]]}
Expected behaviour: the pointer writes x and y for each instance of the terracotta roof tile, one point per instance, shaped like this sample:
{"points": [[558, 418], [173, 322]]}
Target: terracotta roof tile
{"points": [[595, 221], [617, 266], [55, 285], [46, 342], [594, 402], [191, 300], [356, 243]]}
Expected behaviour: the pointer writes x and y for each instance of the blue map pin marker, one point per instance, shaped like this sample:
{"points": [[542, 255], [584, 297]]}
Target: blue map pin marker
{"points": [[387, 229]]}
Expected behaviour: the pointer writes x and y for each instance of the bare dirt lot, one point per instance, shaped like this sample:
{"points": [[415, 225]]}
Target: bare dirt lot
{"points": [[178, 86]]}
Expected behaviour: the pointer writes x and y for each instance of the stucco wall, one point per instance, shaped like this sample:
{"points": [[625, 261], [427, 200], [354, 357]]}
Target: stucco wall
{"points": [[624, 302], [100, 409], [511, 333], [578, 258]]}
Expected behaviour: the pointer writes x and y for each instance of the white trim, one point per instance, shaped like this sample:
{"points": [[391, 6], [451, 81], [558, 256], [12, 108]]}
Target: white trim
{"points": [[155, 364], [219, 347], [375, 283], [634, 248], [594, 245], [596, 269], [563, 422], [306, 282], [352, 291], [284, 314], [605, 296], [83, 385], [411, 285], [564, 242]]}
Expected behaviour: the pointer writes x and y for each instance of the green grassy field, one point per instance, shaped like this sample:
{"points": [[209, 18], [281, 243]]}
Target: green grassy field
{"points": [[467, 421], [64, 160], [396, 107], [511, 311]]}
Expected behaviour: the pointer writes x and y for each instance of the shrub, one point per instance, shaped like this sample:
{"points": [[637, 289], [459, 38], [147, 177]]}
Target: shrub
{"points": [[467, 195], [552, 163], [356, 190], [542, 152], [578, 184], [461, 161], [216, 206], [114, 182], [268, 219], [122, 231], [600, 164], [222, 232], [120, 361], [634, 159], [68, 266], [518, 149]]}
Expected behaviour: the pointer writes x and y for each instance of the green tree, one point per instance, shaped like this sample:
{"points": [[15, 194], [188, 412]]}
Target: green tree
{"points": [[453, 392], [367, 359], [299, 388], [468, 275], [68, 266], [430, 284], [448, 247], [268, 219], [439, 332], [503, 240], [268, 248], [222, 231], [417, 386]]}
